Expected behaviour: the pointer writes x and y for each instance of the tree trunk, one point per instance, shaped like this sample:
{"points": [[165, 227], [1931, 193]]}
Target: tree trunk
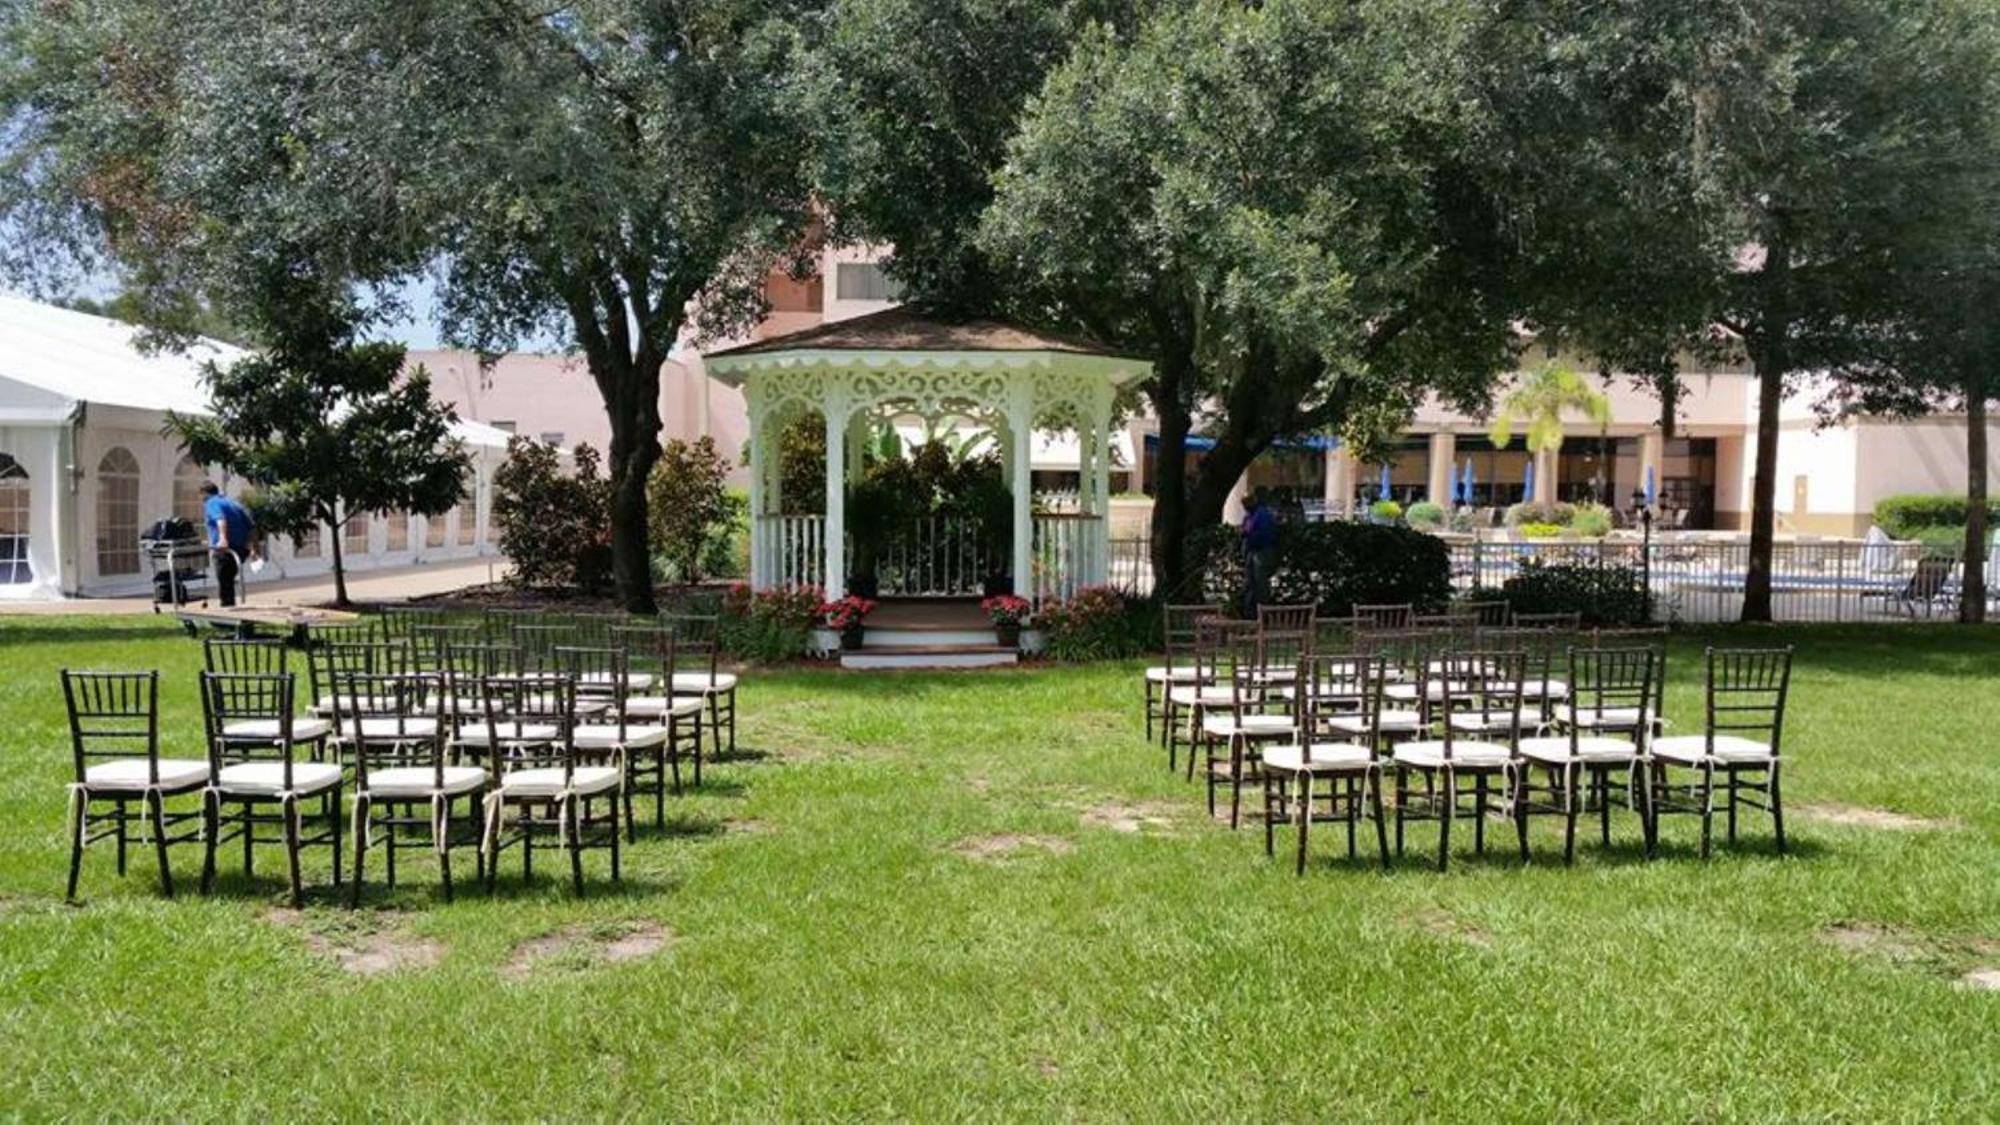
{"points": [[1770, 353], [1169, 545], [1972, 588], [334, 532], [631, 392]]}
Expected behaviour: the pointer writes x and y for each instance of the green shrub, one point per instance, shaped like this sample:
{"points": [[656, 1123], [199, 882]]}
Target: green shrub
{"points": [[1942, 542], [1096, 623], [1334, 566], [1388, 511], [1558, 513], [688, 506], [1906, 515], [1424, 516], [770, 624], [554, 526], [1592, 521], [1605, 594], [1540, 530]]}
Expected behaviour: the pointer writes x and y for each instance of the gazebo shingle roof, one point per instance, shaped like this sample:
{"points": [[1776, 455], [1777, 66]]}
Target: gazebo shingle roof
{"points": [[905, 329]]}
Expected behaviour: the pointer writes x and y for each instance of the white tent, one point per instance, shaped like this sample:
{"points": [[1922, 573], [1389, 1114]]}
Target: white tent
{"points": [[85, 466]]}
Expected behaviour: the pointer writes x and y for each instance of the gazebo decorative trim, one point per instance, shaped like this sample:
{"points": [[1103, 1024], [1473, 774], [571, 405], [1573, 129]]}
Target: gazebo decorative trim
{"points": [[900, 362]]}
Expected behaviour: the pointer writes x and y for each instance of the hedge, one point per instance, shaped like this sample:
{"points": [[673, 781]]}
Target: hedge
{"points": [[1604, 594], [1335, 566], [1907, 515]]}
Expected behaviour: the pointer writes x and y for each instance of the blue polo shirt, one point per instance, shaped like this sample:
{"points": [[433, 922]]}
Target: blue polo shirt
{"points": [[1260, 528], [226, 512]]}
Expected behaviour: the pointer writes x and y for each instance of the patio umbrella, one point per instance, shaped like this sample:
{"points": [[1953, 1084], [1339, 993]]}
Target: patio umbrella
{"points": [[1457, 490], [1385, 482], [1468, 480], [1528, 480], [1652, 489]]}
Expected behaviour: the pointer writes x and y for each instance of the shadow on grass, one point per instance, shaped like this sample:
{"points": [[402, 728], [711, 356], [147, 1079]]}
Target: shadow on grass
{"points": [[35, 631], [742, 756]]}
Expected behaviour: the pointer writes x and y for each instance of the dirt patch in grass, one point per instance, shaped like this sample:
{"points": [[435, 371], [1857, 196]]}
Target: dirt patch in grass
{"points": [[1861, 817], [1981, 980], [747, 826], [1134, 817], [1890, 942], [362, 945], [587, 946], [1442, 923], [1010, 845], [1967, 960]]}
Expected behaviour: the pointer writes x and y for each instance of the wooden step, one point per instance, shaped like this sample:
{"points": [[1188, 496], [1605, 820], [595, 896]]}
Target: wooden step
{"points": [[890, 657]]}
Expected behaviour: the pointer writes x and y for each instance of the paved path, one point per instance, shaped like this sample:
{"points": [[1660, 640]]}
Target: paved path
{"points": [[392, 584]]}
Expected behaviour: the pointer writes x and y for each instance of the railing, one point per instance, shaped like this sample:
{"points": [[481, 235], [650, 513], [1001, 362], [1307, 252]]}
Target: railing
{"points": [[1129, 566], [937, 556], [1062, 556], [792, 550], [1701, 581]]}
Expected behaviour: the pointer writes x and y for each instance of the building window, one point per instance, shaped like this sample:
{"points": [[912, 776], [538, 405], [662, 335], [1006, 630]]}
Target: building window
{"points": [[356, 534], [398, 532], [505, 426], [305, 545], [434, 529], [14, 568], [118, 513], [188, 500], [552, 437], [467, 511], [864, 281]]}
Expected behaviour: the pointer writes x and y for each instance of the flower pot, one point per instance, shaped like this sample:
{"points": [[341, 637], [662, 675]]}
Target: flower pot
{"points": [[850, 639], [1009, 634]]}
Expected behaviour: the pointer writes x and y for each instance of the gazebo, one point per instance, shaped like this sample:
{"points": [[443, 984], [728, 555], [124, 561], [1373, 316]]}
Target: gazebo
{"points": [[901, 363]]}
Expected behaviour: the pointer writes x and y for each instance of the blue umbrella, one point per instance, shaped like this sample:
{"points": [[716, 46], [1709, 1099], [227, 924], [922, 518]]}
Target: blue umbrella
{"points": [[1468, 480], [1457, 490], [1652, 489], [1528, 480], [1385, 481]]}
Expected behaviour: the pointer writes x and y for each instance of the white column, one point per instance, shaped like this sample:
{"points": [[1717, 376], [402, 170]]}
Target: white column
{"points": [[759, 579], [1100, 486], [1021, 423], [857, 437], [1545, 477], [1652, 454], [1444, 450], [835, 583]]}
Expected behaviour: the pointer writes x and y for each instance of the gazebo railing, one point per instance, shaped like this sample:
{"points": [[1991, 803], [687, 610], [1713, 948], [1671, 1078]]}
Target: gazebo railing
{"points": [[1064, 558], [792, 550], [936, 556]]}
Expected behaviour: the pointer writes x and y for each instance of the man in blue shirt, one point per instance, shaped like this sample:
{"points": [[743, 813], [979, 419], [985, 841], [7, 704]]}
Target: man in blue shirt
{"points": [[229, 528], [1260, 550]]}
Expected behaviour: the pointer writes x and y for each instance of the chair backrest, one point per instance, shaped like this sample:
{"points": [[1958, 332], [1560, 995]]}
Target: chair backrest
{"points": [[1288, 618], [1488, 613], [1278, 654], [1652, 637], [593, 630], [538, 641], [1609, 681], [113, 715], [1401, 654], [498, 622], [1487, 684], [1213, 651], [598, 673], [228, 699], [228, 654], [1368, 618], [466, 666], [649, 647], [1337, 684], [697, 644], [1179, 626], [360, 632], [402, 621], [393, 719], [328, 662], [1746, 693], [535, 698], [428, 642], [1569, 621]]}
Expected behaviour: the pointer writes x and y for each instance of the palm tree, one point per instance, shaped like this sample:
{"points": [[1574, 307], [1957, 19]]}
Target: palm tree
{"points": [[1540, 399]]}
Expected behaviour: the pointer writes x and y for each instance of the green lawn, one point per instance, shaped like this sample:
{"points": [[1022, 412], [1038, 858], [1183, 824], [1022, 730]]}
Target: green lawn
{"points": [[836, 952]]}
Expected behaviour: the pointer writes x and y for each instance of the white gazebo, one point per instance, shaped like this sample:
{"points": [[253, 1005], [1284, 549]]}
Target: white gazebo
{"points": [[898, 364]]}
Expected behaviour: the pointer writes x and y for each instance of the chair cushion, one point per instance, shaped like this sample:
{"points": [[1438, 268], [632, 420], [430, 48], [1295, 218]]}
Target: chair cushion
{"points": [[1327, 757], [388, 727], [508, 732], [1226, 725], [1543, 689], [1210, 696], [660, 706], [1693, 749], [421, 781], [1393, 722], [637, 736], [303, 730], [130, 774], [1589, 748], [1179, 674], [1429, 754], [701, 681], [634, 681], [1612, 718], [547, 781], [267, 779], [1473, 722], [324, 706]]}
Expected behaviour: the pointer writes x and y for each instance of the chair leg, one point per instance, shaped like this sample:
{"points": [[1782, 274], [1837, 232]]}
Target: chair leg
{"points": [[79, 825], [1270, 817], [249, 840], [1518, 797], [613, 802], [575, 842], [1381, 825], [1351, 809], [1777, 808], [1602, 779], [732, 722], [123, 815], [444, 855], [1649, 821], [156, 811], [334, 798], [1445, 812], [1569, 784], [1149, 710], [289, 810], [1305, 815], [211, 828], [1707, 808], [1731, 789], [1479, 814], [1402, 803], [1235, 781], [363, 813]]}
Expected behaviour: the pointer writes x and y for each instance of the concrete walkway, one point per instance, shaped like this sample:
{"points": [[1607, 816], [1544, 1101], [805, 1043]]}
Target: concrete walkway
{"points": [[390, 584]]}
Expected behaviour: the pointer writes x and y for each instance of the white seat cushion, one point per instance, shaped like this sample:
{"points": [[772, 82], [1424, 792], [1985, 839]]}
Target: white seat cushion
{"points": [[634, 681], [348, 703], [1544, 689], [303, 730], [1225, 725], [388, 727], [267, 779], [1615, 718], [1209, 696], [1692, 749], [660, 706], [1179, 674], [1589, 748], [508, 732], [1464, 755], [130, 774], [1392, 722], [700, 681], [637, 736], [421, 781], [1473, 722], [1327, 757], [547, 781]]}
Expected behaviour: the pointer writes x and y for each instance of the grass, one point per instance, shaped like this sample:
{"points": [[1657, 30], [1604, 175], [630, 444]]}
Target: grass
{"points": [[833, 949]]}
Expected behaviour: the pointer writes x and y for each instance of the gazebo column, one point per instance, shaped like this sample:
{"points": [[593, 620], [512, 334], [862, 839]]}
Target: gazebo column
{"points": [[758, 579], [1021, 430], [836, 408], [1100, 485]]}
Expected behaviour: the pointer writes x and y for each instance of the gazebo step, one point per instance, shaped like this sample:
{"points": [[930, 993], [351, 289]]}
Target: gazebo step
{"points": [[897, 636], [929, 656]]}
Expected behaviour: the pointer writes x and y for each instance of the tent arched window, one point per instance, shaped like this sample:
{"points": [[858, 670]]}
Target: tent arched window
{"points": [[14, 567], [118, 513], [188, 479]]}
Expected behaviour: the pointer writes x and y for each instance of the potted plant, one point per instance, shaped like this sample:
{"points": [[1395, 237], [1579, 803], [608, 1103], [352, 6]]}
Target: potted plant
{"points": [[1008, 613], [844, 616]]}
